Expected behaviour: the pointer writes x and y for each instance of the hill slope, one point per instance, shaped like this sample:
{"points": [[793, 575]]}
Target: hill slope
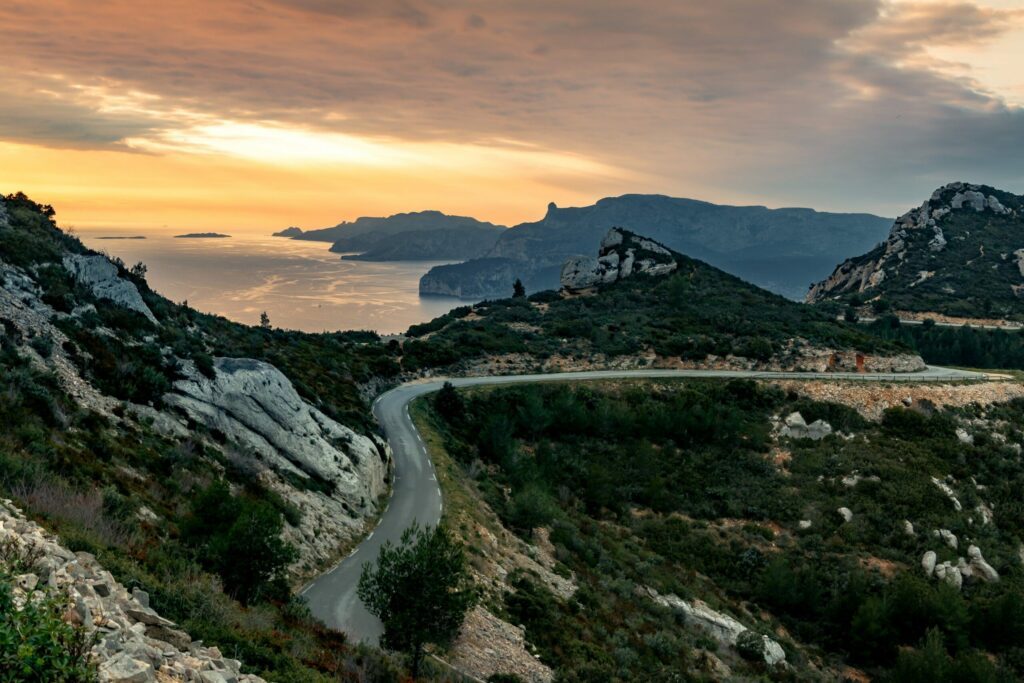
{"points": [[664, 309], [778, 249], [961, 253], [204, 462]]}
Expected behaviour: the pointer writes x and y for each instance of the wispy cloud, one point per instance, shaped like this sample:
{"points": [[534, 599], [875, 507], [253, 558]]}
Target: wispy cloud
{"points": [[838, 103]]}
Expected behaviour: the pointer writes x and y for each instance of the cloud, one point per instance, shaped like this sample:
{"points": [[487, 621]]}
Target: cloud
{"points": [[677, 94]]}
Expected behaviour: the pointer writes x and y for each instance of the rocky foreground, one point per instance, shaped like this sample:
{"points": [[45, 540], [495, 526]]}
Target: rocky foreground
{"points": [[133, 644]]}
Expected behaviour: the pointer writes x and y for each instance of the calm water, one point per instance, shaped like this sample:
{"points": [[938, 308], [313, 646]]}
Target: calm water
{"points": [[301, 285]]}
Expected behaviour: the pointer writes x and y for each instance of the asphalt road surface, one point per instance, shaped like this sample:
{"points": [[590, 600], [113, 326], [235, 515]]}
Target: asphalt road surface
{"points": [[416, 495]]}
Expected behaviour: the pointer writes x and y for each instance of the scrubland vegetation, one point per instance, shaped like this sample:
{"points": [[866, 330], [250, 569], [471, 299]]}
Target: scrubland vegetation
{"points": [[681, 488]]}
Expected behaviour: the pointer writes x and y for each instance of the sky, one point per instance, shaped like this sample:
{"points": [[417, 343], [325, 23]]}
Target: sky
{"points": [[253, 115]]}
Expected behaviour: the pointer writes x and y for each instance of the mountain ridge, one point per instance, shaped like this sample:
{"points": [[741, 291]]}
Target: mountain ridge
{"points": [[779, 249]]}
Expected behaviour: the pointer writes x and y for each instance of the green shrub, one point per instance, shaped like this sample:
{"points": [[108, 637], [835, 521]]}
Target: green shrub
{"points": [[36, 644]]}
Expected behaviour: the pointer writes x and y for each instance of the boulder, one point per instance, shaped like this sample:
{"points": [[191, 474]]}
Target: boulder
{"points": [[964, 437], [947, 536], [846, 513], [794, 426], [122, 668], [96, 272], [980, 568], [908, 528], [758, 647], [928, 562], [950, 574]]}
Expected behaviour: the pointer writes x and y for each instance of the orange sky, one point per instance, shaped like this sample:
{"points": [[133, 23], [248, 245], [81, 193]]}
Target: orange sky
{"points": [[259, 114]]}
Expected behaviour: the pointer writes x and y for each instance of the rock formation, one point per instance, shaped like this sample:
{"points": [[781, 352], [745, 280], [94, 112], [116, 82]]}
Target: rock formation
{"points": [[622, 254], [721, 627], [257, 408], [101, 276]]}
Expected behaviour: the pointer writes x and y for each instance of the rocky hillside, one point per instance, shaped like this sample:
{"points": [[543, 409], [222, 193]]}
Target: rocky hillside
{"points": [[639, 304], [778, 249], [960, 254], [208, 463], [130, 641]]}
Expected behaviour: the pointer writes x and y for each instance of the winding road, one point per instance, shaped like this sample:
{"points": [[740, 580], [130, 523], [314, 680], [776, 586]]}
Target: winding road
{"points": [[416, 494]]}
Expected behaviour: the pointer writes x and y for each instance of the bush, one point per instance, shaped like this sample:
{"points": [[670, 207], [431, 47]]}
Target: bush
{"points": [[37, 645]]}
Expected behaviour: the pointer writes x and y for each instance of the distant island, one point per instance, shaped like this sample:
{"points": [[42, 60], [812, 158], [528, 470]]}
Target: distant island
{"points": [[122, 237], [288, 232], [202, 235]]}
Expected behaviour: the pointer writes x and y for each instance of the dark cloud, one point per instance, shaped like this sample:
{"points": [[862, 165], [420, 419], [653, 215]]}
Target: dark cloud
{"points": [[763, 93]]}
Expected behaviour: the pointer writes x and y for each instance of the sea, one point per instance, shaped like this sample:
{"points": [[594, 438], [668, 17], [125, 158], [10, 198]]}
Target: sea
{"points": [[300, 285]]}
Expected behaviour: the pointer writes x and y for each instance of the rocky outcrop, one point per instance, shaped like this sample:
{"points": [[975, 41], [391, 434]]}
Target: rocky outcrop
{"points": [[256, 408], [622, 254], [96, 272], [721, 627], [288, 232], [918, 229], [973, 568], [134, 644], [794, 426]]}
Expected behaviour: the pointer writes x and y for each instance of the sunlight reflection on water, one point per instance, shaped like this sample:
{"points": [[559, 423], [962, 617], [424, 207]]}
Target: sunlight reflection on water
{"points": [[301, 285]]}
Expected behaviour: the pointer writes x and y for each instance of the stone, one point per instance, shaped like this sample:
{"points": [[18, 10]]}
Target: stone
{"points": [[760, 647], [846, 513], [172, 636], [950, 574], [122, 668], [947, 536], [27, 582], [146, 616], [964, 437], [928, 562], [980, 567], [96, 272], [908, 528], [804, 524]]}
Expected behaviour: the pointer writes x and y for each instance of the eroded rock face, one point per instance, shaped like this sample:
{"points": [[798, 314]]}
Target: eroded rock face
{"points": [[256, 406], [135, 644], [100, 275], [622, 254]]}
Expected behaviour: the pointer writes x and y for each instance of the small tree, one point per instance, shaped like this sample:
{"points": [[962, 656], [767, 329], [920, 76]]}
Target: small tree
{"points": [[518, 290], [449, 403], [264, 320], [420, 589], [139, 270]]}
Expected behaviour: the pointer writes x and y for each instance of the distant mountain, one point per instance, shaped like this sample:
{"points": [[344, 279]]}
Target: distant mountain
{"points": [[779, 249], [450, 244], [961, 253], [203, 235], [363, 233]]}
